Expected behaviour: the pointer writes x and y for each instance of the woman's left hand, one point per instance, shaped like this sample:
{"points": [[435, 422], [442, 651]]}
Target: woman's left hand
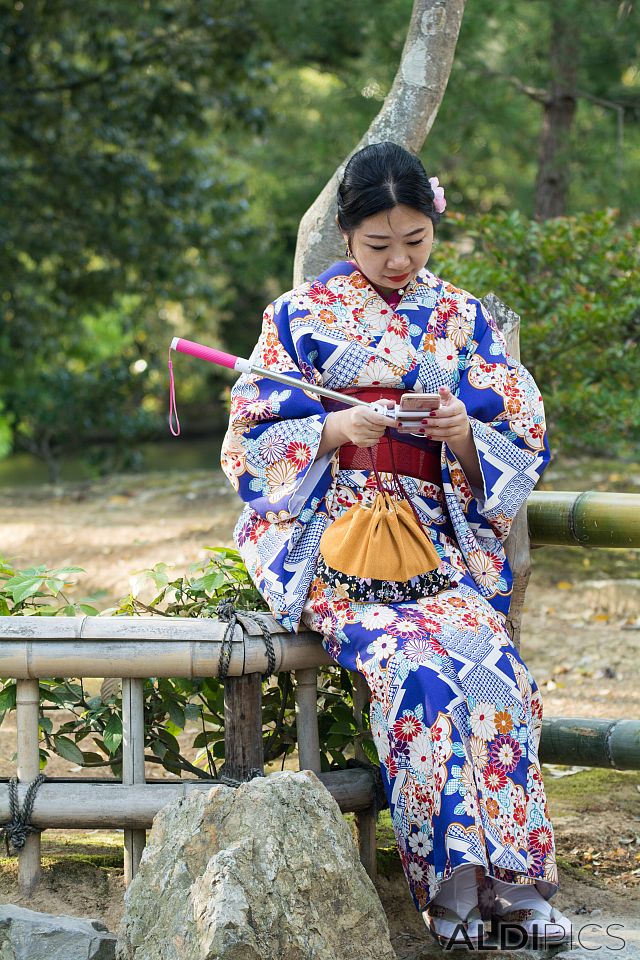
{"points": [[450, 422]]}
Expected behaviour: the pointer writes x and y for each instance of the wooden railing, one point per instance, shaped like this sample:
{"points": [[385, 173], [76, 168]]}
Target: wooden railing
{"points": [[134, 648], [137, 647]]}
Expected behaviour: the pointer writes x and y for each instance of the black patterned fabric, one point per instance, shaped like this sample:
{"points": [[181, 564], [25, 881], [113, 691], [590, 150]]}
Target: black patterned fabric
{"points": [[360, 590]]}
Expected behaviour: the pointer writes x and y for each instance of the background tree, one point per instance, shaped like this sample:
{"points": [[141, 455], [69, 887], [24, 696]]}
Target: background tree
{"points": [[156, 161]]}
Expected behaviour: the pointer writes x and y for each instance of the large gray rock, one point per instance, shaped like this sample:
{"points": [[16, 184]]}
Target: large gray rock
{"points": [[267, 871], [29, 935]]}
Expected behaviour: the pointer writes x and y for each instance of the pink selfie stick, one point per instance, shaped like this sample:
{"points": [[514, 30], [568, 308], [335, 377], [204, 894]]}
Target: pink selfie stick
{"points": [[210, 354], [222, 359], [245, 366]]}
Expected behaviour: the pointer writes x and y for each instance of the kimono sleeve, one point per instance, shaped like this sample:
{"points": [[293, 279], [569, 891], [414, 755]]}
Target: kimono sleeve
{"points": [[269, 453], [507, 419]]}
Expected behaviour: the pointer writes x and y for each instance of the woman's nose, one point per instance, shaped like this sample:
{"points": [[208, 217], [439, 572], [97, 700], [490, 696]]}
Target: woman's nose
{"points": [[397, 261]]}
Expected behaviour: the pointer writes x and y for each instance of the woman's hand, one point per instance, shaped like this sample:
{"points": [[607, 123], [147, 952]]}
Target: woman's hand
{"points": [[359, 425], [449, 423]]}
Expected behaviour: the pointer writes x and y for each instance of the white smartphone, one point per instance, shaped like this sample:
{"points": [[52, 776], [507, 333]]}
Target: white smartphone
{"points": [[414, 405]]}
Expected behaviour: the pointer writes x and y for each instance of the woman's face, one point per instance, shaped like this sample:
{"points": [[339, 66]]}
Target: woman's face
{"points": [[392, 246]]}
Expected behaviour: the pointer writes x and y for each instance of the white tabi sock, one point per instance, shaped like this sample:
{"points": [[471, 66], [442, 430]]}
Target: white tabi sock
{"points": [[460, 892], [520, 896]]}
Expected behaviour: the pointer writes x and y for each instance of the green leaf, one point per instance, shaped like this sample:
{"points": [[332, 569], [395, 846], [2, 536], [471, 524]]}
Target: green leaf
{"points": [[27, 587], [370, 750], [177, 714], [66, 748], [203, 738], [112, 735], [212, 581], [88, 610], [90, 757], [158, 748], [8, 697], [169, 739], [172, 728]]}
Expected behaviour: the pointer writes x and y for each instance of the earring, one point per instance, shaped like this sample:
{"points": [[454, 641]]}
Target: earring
{"points": [[348, 254]]}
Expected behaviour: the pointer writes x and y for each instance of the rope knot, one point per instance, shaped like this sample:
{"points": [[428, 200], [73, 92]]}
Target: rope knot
{"points": [[18, 828], [227, 612]]}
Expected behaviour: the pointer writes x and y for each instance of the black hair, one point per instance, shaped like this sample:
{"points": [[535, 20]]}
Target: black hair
{"points": [[379, 177]]}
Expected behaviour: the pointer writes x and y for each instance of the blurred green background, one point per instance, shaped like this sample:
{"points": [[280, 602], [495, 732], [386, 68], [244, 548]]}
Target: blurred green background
{"points": [[157, 157]]}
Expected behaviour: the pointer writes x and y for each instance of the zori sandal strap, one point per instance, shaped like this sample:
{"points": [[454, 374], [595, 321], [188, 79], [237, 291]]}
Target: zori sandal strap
{"points": [[546, 929], [436, 915]]}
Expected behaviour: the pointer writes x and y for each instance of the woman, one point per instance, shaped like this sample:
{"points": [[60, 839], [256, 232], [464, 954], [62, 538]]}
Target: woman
{"points": [[455, 714]]}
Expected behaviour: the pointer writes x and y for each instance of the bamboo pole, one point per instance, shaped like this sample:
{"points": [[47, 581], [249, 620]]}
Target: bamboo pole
{"points": [[50, 647], [307, 719], [591, 743], [133, 765], [28, 755], [97, 805], [585, 519]]}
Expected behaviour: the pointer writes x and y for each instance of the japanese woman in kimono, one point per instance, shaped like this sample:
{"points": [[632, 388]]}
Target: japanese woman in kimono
{"points": [[455, 713]]}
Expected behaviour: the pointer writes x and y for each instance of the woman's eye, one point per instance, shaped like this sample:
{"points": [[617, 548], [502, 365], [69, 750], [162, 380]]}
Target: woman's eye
{"points": [[414, 243], [377, 248]]}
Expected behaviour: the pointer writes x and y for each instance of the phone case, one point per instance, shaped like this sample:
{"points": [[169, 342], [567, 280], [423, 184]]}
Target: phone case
{"points": [[419, 401]]}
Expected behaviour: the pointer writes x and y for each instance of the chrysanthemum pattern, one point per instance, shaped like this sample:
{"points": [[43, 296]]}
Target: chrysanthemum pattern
{"points": [[455, 714], [460, 768]]}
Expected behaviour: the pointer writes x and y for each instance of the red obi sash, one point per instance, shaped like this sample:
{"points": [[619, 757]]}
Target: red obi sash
{"points": [[410, 456]]}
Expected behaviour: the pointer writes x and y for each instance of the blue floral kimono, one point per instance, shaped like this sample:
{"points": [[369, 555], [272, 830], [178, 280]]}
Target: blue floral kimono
{"points": [[455, 713]]}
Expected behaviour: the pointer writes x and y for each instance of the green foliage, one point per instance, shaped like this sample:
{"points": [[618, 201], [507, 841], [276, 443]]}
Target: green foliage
{"points": [[37, 591], [110, 201], [574, 283], [157, 159], [93, 736]]}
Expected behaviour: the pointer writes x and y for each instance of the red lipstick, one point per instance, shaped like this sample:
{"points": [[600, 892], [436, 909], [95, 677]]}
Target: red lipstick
{"points": [[399, 279]]}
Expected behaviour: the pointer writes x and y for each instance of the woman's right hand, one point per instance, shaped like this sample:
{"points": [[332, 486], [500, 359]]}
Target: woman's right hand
{"points": [[358, 425]]}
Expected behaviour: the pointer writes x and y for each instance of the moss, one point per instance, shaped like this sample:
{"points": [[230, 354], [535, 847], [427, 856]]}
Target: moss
{"points": [[388, 861], [594, 790], [569, 870]]}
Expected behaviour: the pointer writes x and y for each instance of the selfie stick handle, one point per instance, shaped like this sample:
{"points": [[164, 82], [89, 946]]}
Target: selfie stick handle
{"points": [[222, 359]]}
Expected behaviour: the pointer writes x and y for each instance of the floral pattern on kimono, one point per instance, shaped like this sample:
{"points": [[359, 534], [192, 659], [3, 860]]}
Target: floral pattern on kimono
{"points": [[455, 714], [456, 720], [339, 332]]}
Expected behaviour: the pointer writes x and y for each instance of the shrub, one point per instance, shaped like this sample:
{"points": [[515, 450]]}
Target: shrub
{"points": [[574, 282], [172, 704]]}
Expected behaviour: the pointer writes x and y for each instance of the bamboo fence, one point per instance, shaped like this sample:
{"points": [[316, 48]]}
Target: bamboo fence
{"points": [[137, 647]]}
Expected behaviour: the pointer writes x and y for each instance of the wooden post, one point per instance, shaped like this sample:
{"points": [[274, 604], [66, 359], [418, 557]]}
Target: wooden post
{"points": [[133, 765], [366, 820], [28, 750], [243, 747], [307, 719]]}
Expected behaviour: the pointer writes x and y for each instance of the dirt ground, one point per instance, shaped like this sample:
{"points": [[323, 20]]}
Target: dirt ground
{"points": [[580, 638]]}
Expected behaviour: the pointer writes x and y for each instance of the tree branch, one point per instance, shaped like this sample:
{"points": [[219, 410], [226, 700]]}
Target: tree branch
{"points": [[406, 117]]}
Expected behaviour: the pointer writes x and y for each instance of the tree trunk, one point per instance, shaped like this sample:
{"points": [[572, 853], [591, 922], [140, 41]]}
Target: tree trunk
{"points": [[406, 117], [552, 183]]}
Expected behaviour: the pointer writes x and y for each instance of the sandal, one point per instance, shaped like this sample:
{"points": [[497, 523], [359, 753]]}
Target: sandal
{"points": [[541, 930], [451, 931]]}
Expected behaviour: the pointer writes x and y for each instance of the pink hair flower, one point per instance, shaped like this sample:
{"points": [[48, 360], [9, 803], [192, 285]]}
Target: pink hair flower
{"points": [[439, 201]]}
